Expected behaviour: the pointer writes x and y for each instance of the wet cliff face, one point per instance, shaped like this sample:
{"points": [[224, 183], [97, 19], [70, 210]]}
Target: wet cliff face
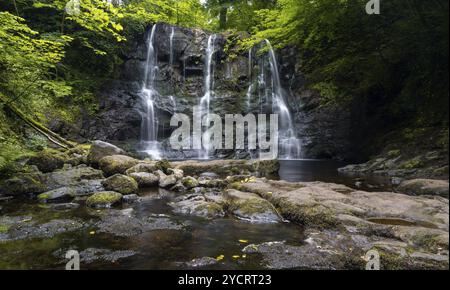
{"points": [[119, 119], [325, 131]]}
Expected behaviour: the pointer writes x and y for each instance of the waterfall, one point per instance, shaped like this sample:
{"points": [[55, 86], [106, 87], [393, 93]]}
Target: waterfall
{"points": [[172, 34], [149, 125], [174, 103], [270, 92], [290, 147], [209, 86], [250, 87]]}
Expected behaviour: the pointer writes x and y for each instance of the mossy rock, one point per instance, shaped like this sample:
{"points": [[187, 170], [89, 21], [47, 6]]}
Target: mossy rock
{"points": [[412, 164], [48, 161], [104, 199], [23, 183], [4, 229], [116, 164], [190, 182], [163, 165], [121, 183]]}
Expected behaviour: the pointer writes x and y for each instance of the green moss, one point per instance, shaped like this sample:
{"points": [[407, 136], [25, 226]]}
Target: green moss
{"points": [[251, 206], [43, 196], [106, 198], [213, 209], [4, 229], [411, 164], [394, 153], [163, 165]]}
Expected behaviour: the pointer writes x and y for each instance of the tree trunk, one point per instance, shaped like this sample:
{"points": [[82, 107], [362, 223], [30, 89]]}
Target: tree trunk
{"points": [[223, 17], [50, 135]]}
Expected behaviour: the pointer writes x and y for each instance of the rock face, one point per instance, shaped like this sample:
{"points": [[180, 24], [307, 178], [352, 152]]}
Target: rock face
{"points": [[121, 183], [100, 149], [104, 199]]}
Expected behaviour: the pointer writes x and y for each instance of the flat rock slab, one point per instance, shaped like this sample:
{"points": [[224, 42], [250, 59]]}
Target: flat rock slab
{"points": [[421, 223], [123, 224], [425, 187]]}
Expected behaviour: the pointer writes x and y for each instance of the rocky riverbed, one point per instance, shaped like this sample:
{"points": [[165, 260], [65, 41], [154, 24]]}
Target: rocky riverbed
{"points": [[121, 212]]}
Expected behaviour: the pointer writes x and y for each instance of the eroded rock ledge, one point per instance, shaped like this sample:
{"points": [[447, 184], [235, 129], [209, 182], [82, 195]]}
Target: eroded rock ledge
{"points": [[409, 231]]}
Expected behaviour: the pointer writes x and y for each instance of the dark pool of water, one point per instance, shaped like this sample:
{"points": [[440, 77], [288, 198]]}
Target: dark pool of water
{"points": [[327, 171]]}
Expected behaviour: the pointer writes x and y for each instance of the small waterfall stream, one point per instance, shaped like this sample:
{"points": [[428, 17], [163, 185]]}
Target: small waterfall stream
{"points": [[149, 125], [172, 34], [205, 101], [270, 92]]}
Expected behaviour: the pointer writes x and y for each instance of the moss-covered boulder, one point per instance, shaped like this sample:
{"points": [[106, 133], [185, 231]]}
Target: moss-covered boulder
{"points": [[48, 161], [145, 179], [104, 199], [251, 207], [23, 183], [121, 183], [189, 182], [116, 164], [147, 167], [100, 149]]}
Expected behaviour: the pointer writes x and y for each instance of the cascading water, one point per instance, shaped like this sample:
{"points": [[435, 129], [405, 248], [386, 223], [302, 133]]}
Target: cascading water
{"points": [[250, 88], [205, 101], [172, 34], [290, 145], [149, 125]]}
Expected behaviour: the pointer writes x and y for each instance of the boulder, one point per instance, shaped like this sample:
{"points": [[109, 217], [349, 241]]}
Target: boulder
{"points": [[197, 205], [189, 182], [166, 180], [47, 161], [84, 188], [100, 149], [145, 179], [147, 167], [104, 199], [424, 187], [115, 164], [251, 207], [131, 198], [121, 183], [72, 176], [23, 183], [178, 173]]}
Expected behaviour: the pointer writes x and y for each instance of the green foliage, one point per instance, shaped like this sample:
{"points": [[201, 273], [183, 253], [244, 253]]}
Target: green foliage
{"points": [[399, 58]]}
